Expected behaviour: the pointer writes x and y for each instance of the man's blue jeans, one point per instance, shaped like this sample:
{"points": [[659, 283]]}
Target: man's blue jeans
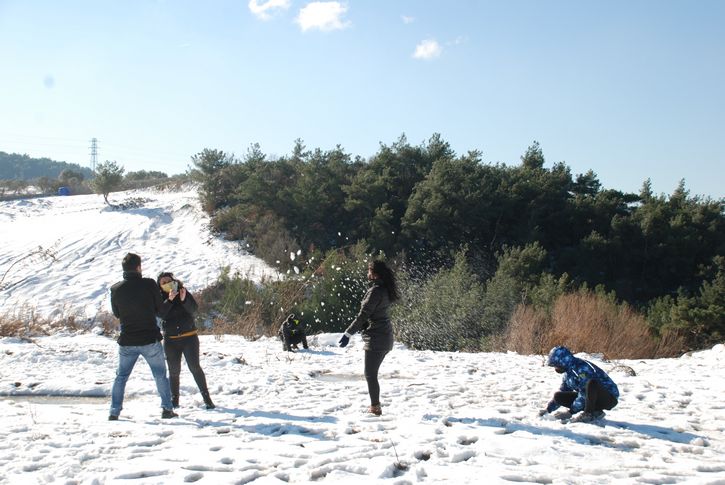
{"points": [[127, 357]]}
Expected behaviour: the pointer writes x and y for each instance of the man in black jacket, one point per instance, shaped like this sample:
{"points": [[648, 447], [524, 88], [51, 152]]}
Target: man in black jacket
{"points": [[135, 302]]}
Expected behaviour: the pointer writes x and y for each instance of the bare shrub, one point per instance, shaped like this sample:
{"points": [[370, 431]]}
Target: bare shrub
{"points": [[527, 330], [175, 183], [13, 327], [589, 322], [108, 323], [246, 324], [239, 306], [33, 256], [25, 322], [243, 325], [671, 343], [25, 325]]}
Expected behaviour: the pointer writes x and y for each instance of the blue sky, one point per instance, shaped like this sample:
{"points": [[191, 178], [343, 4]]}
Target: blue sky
{"points": [[629, 89]]}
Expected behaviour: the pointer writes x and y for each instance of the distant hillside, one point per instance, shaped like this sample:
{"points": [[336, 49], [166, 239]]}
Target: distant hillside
{"points": [[14, 166]]}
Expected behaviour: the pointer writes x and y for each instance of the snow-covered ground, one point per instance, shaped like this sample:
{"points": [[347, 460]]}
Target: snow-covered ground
{"points": [[447, 418], [282, 417], [88, 239]]}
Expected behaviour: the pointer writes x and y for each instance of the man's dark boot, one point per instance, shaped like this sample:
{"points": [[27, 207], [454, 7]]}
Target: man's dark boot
{"points": [[175, 400], [168, 414], [207, 400]]}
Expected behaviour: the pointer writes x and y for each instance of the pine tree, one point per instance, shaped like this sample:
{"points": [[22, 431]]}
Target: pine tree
{"points": [[108, 178]]}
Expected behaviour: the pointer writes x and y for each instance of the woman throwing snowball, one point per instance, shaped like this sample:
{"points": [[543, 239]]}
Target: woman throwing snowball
{"points": [[373, 321]]}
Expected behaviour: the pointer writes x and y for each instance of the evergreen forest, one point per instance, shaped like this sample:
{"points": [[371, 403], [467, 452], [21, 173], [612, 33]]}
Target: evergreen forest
{"points": [[508, 256], [14, 166]]}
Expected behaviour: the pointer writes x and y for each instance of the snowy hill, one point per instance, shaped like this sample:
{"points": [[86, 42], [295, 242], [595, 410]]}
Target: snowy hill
{"points": [[87, 240]]}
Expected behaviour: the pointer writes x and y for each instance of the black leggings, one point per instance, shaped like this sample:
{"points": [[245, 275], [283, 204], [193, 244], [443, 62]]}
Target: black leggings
{"points": [[189, 347], [373, 359], [597, 398]]}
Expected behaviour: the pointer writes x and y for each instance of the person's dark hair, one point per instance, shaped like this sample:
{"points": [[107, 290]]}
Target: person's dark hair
{"points": [[386, 274], [131, 262], [164, 274]]}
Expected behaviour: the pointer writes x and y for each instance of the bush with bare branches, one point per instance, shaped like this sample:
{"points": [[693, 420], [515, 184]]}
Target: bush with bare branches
{"points": [[25, 322], [586, 321]]}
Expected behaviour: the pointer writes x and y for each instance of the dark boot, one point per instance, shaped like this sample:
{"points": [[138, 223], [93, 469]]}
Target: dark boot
{"points": [[175, 400], [207, 400], [375, 409], [168, 414]]}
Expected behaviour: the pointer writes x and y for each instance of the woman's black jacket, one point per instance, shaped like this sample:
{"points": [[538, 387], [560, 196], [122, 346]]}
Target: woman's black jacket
{"points": [[373, 320], [177, 317]]}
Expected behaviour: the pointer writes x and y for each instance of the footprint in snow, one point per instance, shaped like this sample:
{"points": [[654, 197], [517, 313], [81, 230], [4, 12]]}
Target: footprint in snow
{"points": [[467, 440], [33, 467], [461, 456], [422, 455], [142, 474], [193, 477]]}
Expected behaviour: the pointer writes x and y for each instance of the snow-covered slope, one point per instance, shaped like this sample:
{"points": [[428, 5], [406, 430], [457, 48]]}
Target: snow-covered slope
{"points": [[293, 418], [87, 240]]}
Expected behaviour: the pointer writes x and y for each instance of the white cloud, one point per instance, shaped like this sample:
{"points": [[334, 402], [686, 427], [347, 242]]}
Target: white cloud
{"points": [[324, 16], [427, 49], [407, 19], [264, 9]]}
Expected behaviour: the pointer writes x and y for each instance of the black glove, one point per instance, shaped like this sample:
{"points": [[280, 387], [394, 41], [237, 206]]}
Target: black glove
{"points": [[344, 341]]}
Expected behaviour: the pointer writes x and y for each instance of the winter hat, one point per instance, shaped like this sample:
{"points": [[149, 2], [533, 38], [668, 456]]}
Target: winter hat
{"points": [[560, 357]]}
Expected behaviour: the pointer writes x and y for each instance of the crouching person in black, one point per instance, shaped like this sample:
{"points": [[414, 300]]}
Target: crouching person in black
{"points": [[180, 335], [292, 334]]}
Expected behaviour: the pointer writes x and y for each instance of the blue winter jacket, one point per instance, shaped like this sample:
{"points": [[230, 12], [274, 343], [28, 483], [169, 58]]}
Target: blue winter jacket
{"points": [[578, 373]]}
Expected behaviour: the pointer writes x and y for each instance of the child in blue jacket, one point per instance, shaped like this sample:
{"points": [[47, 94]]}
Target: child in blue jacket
{"points": [[585, 387]]}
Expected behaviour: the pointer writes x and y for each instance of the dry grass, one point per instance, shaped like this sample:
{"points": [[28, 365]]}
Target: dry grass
{"points": [[587, 322], [108, 323], [247, 324], [238, 310], [526, 332], [27, 323]]}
